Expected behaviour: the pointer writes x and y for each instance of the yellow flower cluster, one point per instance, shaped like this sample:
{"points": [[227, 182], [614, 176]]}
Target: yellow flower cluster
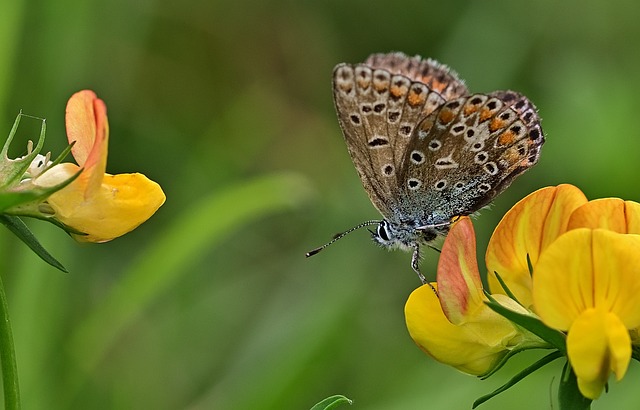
{"points": [[572, 263]]}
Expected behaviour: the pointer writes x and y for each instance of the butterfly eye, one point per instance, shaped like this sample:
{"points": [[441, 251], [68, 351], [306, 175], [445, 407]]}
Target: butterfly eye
{"points": [[382, 231]]}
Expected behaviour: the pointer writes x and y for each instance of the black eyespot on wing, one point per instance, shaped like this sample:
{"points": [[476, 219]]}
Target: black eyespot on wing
{"points": [[534, 134]]}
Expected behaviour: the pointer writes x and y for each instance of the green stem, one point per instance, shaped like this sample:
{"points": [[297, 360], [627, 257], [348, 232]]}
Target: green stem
{"points": [[8, 357]]}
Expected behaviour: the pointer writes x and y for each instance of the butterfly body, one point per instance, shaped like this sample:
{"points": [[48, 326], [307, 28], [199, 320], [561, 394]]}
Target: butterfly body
{"points": [[425, 149]]}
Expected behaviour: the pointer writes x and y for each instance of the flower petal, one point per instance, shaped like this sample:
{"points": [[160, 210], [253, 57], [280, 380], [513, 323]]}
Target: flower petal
{"points": [[562, 283], [459, 284], [472, 348], [613, 214], [616, 281], [586, 269], [122, 203], [87, 126], [57, 174], [527, 229], [597, 344]]}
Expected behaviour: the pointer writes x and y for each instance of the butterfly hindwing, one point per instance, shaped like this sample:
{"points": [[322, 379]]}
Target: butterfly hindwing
{"points": [[467, 152]]}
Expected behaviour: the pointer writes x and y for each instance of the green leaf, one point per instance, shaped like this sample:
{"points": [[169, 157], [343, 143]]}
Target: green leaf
{"points": [[17, 227], [11, 170], [331, 402], [569, 396], [537, 365], [10, 381], [532, 324]]}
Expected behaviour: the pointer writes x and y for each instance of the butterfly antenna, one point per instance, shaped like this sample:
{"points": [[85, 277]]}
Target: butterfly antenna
{"points": [[340, 236]]}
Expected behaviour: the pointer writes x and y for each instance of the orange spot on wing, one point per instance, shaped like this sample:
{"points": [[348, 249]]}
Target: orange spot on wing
{"points": [[485, 114], [415, 99], [507, 138], [364, 83], [446, 116], [438, 86], [426, 124], [469, 109], [496, 124], [397, 92], [380, 86]]}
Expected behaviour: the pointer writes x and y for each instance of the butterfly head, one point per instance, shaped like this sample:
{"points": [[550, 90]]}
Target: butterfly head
{"points": [[405, 236]]}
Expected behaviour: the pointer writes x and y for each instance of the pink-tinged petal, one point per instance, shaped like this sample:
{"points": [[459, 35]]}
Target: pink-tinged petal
{"points": [[122, 203], [613, 214], [527, 229], [473, 348], [597, 344], [459, 284], [87, 126]]}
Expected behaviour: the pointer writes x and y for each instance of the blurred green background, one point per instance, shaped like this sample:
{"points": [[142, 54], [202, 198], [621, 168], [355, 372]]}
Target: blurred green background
{"points": [[211, 304]]}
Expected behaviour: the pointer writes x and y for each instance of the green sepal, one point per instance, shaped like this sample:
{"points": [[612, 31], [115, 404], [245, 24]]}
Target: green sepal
{"points": [[18, 228], [62, 155], [515, 379], [332, 402], [569, 396], [534, 325], [506, 288], [11, 170]]}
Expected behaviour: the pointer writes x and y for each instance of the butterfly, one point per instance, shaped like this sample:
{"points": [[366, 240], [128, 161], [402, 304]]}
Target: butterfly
{"points": [[426, 150]]}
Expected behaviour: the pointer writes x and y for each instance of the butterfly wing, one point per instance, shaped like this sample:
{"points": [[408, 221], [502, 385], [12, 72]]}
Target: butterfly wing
{"points": [[437, 77], [467, 152], [379, 104]]}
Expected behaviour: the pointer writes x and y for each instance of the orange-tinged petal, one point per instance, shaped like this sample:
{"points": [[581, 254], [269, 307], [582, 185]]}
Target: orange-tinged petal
{"points": [[586, 269], [527, 229], [122, 203], [472, 348], [459, 284], [597, 344], [613, 214], [87, 126]]}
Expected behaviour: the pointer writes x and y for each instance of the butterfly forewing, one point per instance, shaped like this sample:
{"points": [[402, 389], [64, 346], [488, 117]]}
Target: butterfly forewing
{"points": [[379, 104], [437, 77]]}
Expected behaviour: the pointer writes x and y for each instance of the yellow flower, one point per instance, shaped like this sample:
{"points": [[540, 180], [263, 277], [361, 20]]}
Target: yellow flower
{"points": [[100, 205], [456, 327], [583, 280], [587, 283], [525, 231], [585, 274]]}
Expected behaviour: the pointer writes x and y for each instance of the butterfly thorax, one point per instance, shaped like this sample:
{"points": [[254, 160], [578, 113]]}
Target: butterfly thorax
{"points": [[405, 235]]}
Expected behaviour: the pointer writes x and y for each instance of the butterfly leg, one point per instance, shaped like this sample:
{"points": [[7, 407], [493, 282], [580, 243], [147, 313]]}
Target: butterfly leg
{"points": [[415, 264]]}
